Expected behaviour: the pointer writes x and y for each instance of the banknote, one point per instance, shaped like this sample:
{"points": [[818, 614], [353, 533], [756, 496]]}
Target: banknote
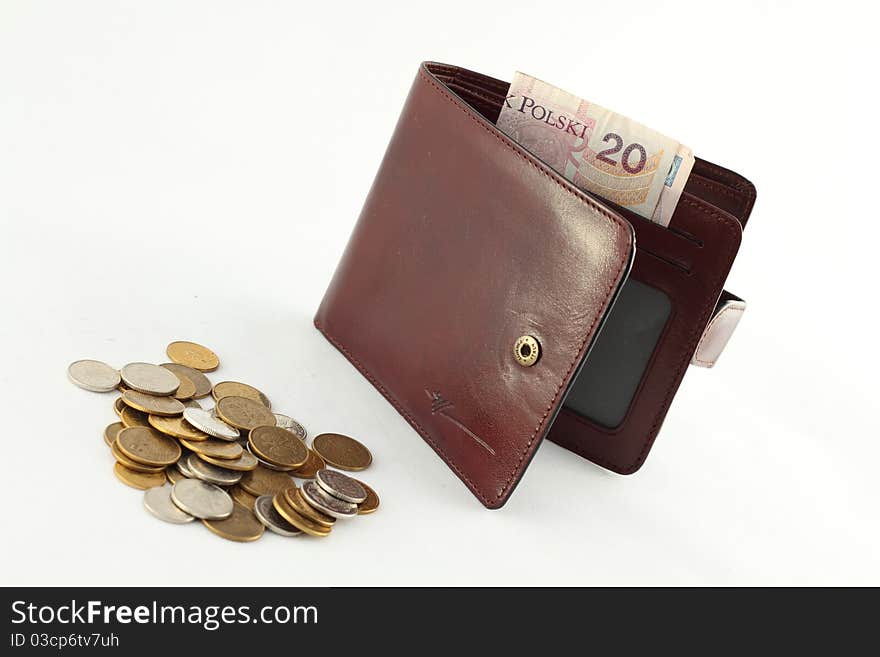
{"points": [[598, 150]]}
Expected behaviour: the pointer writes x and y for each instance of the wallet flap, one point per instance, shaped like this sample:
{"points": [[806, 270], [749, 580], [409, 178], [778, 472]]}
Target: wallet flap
{"points": [[465, 244]]}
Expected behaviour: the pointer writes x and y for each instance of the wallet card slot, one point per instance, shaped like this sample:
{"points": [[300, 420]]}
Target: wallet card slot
{"points": [[722, 188], [613, 370], [724, 197], [623, 447], [685, 269]]}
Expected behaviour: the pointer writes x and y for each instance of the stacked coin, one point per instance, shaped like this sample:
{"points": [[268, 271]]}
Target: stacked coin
{"points": [[232, 466]]}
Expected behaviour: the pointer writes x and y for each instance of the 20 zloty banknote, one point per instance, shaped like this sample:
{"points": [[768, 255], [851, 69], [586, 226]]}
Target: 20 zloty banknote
{"points": [[598, 150]]}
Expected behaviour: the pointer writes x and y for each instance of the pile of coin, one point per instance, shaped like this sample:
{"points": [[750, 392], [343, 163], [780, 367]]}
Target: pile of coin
{"points": [[231, 466]]}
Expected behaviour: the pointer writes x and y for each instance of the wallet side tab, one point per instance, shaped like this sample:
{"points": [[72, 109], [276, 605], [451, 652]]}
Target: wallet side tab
{"points": [[465, 244]]}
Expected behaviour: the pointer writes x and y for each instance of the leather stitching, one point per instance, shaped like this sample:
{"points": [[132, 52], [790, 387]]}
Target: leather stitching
{"points": [[543, 420], [397, 406], [732, 225], [731, 192], [587, 201]]}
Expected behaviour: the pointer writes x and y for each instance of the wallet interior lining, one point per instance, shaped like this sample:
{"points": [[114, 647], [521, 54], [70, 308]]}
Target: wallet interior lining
{"points": [[709, 182]]}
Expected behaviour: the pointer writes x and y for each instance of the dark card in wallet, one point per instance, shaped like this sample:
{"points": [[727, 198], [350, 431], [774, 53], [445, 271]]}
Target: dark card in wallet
{"points": [[495, 304]]}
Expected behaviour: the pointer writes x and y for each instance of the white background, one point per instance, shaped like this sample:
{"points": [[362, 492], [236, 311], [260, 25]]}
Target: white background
{"points": [[192, 170]]}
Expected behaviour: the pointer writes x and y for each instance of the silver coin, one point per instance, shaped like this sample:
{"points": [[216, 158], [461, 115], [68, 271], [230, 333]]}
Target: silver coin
{"points": [[149, 378], [211, 473], [341, 486], [201, 499], [158, 502], [183, 466], [271, 519], [209, 423], [287, 422], [332, 506], [266, 464], [93, 375]]}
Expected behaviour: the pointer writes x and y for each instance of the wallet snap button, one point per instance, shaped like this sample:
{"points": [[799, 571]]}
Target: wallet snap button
{"points": [[526, 350]]}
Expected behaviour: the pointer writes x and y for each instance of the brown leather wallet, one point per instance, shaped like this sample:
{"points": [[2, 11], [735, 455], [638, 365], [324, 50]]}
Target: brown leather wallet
{"points": [[495, 304]]}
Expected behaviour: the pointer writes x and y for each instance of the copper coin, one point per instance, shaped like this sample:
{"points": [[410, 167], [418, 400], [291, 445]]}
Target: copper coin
{"points": [[243, 463], [263, 481], [342, 451], [219, 449], [297, 520], [111, 432], [241, 496], [176, 427], [148, 446], [310, 468], [265, 464], [165, 406], [236, 389], [294, 498], [193, 355], [243, 413], [139, 480], [242, 526], [276, 445], [131, 464], [202, 383], [174, 475], [371, 503], [133, 418], [186, 389]]}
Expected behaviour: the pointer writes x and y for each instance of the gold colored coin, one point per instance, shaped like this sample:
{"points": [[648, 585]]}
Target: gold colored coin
{"points": [[176, 427], [133, 418], [111, 432], [299, 521], [202, 383], [219, 449], [241, 496], [241, 526], [148, 446], [371, 503], [174, 475], [236, 389], [263, 481], [276, 445], [167, 406], [243, 463], [310, 468], [342, 452], [133, 465], [139, 480], [294, 498], [118, 405], [243, 413], [193, 355], [186, 389]]}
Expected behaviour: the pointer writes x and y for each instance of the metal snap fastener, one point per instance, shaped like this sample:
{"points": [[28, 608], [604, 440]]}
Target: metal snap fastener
{"points": [[526, 350]]}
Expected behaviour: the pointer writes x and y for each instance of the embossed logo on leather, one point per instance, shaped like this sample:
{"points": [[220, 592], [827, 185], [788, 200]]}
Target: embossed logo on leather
{"points": [[441, 406]]}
